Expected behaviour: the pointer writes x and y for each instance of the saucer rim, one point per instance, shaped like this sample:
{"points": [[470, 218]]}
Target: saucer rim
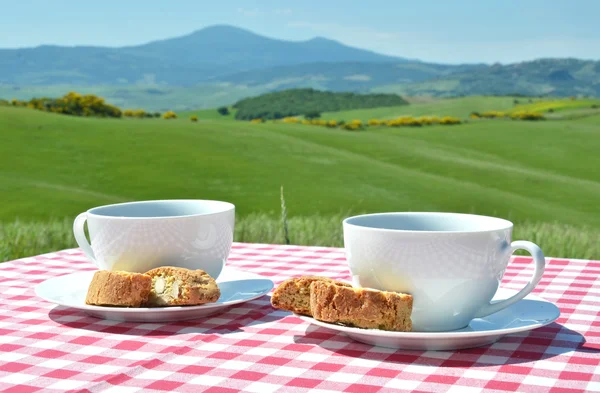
{"points": [[163, 310], [444, 334]]}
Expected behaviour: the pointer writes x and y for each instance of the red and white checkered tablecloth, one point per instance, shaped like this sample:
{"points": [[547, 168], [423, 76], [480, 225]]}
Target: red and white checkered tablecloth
{"points": [[255, 348]]}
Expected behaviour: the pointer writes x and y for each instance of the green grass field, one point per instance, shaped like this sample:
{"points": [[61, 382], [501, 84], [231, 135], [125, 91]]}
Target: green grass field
{"points": [[207, 114], [541, 174], [458, 107], [462, 107], [20, 239], [559, 105]]}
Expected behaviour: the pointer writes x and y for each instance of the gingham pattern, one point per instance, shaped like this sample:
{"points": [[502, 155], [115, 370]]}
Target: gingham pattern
{"points": [[254, 348]]}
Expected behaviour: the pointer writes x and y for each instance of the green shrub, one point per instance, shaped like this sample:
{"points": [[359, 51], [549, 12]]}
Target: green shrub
{"points": [[223, 110], [527, 116], [312, 114], [493, 114]]}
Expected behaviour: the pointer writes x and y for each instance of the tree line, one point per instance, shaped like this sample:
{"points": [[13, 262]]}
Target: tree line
{"points": [[309, 103]]}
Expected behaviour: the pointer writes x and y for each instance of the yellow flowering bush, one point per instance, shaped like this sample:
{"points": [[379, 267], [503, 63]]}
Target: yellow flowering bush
{"points": [[356, 124], [519, 115], [404, 121], [256, 121], [169, 115], [15, 102], [194, 118], [448, 120], [138, 113], [424, 120], [493, 115], [527, 116], [351, 126], [72, 103], [318, 122], [291, 120]]}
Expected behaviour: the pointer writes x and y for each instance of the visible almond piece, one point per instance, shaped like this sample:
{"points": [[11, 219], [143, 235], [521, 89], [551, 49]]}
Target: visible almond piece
{"points": [[175, 290], [175, 286], [159, 285]]}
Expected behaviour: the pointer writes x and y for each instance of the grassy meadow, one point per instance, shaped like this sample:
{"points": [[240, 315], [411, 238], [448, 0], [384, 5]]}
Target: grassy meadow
{"points": [[462, 108], [458, 107], [541, 175]]}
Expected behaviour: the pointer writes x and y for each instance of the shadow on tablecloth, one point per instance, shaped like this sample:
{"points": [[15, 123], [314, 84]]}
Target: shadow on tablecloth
{"points": [[540, 344], [229, 321]]}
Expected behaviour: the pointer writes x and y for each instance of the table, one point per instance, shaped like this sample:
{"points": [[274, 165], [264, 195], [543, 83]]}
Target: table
{"points": [[255, 348]]}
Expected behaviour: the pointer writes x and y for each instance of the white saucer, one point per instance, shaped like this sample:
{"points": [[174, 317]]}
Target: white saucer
{"points": [[236, 287], [528, 314]]}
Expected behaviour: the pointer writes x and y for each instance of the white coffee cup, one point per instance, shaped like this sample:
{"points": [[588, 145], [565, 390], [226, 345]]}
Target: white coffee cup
{"points": [[139, 236], [451, 263]]}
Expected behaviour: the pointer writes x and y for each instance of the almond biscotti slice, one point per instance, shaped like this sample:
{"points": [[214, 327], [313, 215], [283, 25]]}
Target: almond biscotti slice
{"points": [[361, 307], [117, 288], [174, 286], [294, 294]]}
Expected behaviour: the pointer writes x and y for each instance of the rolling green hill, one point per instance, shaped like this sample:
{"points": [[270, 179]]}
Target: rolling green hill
{"points": [[458, 107], [347, 76], [542, 77], [462, 108], [559, 105], [56, 166]]}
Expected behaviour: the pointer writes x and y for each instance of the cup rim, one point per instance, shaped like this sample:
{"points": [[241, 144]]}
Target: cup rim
{"points": [[226, 207], [506, 224]]}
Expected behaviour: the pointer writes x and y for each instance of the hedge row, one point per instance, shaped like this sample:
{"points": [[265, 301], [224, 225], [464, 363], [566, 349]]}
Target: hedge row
{"points": [[520, 115], [405, 121]]}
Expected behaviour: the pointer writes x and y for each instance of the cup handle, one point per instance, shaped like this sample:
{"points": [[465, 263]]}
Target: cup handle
{"points": [[540, 265], [80, 238]]}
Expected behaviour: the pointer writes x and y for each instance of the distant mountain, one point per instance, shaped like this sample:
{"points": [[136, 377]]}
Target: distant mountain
{"points": [[184, 61], [241, 49]]}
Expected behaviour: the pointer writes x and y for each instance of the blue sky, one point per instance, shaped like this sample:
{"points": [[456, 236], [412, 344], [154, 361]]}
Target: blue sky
{"points": [[448, 31]]}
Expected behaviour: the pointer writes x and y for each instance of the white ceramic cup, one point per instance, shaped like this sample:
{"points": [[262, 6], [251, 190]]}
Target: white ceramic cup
{"points": [[139, 236], [451, 263]]}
